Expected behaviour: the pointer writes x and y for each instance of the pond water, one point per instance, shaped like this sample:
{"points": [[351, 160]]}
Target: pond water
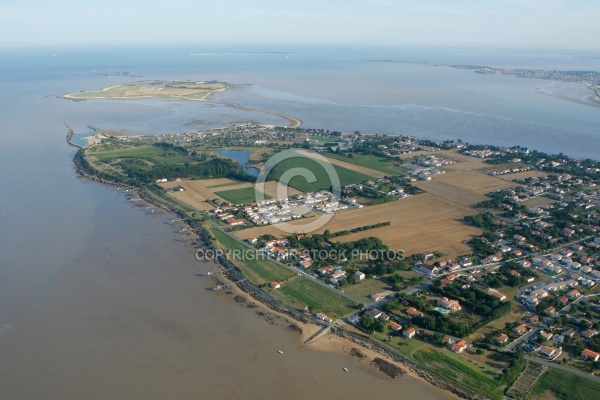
{"points": [[242, 157]]}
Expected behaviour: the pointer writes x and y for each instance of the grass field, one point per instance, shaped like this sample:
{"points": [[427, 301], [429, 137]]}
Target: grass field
{"points": [[345, 163], [257, 272], [368, 161], [366, 287], [564, 385], [538, 201], [322, 179], [240, 196], [458, 371], [317, 297], [134, 152]]}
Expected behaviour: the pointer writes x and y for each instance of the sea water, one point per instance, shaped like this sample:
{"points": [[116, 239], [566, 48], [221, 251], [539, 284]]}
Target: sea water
{"points": [[100, 300]]}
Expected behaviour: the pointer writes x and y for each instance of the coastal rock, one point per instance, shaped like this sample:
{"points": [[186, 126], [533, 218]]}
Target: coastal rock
{"points": [[354, 352], [391, 370]]}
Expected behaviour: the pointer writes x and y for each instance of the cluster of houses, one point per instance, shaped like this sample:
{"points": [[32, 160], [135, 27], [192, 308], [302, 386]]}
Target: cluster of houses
{"points": [[422, 172], [552, 338], [276, 248], [274, 211], [404, 145], [374, 184], [482, 153], [509, 171], [563, 289], [226, 215]]}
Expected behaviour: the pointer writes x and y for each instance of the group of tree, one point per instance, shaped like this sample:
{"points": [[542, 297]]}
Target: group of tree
{"points": [[329, 235], [474, 298], [214, 168], [483, 220]]}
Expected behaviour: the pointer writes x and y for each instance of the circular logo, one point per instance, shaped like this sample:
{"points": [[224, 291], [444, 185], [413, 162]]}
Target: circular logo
{"points": [[287, 215]]}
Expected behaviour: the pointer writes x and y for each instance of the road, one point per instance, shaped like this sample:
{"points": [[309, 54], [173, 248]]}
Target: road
{"points": [[293, 269]]}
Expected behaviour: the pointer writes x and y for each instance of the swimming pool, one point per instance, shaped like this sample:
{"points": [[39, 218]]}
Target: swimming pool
{"points": [[441, 310]]}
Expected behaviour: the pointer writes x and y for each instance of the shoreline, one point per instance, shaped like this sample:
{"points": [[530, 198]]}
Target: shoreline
{"points": [[340, 338]]}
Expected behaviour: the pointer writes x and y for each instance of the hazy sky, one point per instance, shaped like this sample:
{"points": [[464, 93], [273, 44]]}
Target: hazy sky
{"points": [[562, 24]]}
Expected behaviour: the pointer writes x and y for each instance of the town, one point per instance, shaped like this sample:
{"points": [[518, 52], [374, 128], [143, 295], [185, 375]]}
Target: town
{"points": [[478, 260]]}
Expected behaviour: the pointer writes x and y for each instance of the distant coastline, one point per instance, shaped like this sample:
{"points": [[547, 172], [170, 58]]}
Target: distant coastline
{"points": [[590, 78]]}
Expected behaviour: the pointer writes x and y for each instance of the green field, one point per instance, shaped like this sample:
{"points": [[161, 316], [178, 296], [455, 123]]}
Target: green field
{"points": [[240, 196], [256, 271], [455, 370], [368, 161], [565, 385], [318, 298], [134, 152], [346, 176]]}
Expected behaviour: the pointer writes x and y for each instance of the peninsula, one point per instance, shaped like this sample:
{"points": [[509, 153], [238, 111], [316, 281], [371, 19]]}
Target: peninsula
{"points": [[476, 267]]}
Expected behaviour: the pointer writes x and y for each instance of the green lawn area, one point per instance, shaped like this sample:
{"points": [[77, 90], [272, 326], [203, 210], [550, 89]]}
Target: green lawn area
{"points": [[366, 287], [565, 385], [368, 161], [240, 196], [322, 180], [317, 297], [257, 272], [455, 369], [134, 152]]}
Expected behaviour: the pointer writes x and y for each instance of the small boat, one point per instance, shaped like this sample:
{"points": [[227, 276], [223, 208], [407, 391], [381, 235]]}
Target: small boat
{"points": [[280, 352], [346, 369]]}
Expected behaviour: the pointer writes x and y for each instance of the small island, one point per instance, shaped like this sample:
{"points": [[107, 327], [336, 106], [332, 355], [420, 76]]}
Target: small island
{"points": [[188, 90]]}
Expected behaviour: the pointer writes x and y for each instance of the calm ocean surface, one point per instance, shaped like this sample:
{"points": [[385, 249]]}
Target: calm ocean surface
{"points": [[100, 300]]}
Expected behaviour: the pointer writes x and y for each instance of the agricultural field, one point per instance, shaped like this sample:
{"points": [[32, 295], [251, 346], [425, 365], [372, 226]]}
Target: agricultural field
{"points": [[196, 192], [525, 382], [417, 224], [463, 188], [458, 371], [346, 176], [317, 297], [565, 386], [240, 196], [369, 161], [271, 188], [256, 271]]}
